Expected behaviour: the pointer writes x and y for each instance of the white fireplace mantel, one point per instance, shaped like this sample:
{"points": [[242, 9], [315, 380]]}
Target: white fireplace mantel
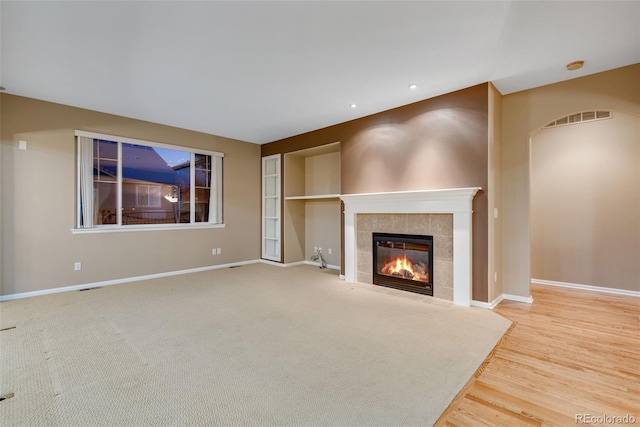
{"points": [[456, 201]]}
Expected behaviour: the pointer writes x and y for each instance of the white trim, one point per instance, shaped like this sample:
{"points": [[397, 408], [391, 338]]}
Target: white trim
{"points": [[493, 304], [457, 201], [297, 263], [518, 298], [192, 188], [144, 142], [149, 227], [119, 187], [280, 264], [125, 280], [446, 200], [85, 180], [78, 169], [273, 263], [277, 256], [317, 264], [341, 277], [317, 197], [293, 264], [490, 305], [614, 291], [216, 214]]}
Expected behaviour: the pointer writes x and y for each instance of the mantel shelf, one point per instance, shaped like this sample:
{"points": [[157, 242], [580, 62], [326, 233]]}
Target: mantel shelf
{"points": [[314, 197]]}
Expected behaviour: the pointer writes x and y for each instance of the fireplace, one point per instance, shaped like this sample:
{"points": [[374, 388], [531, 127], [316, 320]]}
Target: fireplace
{"points": [[455, 201], [403, 261]]}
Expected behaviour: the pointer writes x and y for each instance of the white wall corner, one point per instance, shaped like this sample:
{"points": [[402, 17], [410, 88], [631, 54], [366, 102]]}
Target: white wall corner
{"points": [[490, 305], [518, 298]]}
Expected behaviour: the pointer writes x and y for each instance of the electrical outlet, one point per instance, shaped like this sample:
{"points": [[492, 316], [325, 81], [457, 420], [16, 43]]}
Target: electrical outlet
{"points": [[495, 276], [77, 266], [214, 251], [219, 251], [329, 251]]}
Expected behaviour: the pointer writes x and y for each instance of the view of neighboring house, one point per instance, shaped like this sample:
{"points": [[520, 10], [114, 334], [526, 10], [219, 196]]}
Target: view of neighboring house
{"points": [[153, 190]]}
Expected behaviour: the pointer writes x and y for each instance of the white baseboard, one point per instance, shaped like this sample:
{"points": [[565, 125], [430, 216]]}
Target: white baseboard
{"points": [[125, 280], [294, 264], [518, 298], [153, 276], [529, 300], [587, 287], [491, 305], [280, 264], [317, 264]]}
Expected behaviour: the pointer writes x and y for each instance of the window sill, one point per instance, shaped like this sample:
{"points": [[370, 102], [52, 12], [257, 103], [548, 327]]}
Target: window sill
{"points": [[151, 227]]}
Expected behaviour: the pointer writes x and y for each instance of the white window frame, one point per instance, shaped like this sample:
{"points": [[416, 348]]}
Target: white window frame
{"points": [[216, 203]]}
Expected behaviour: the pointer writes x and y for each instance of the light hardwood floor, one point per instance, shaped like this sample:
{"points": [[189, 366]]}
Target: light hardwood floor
{"points": [[570, 352]]}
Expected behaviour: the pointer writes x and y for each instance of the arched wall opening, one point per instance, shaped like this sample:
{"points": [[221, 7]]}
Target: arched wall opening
{"points": [[523, 114], [585, 203]]}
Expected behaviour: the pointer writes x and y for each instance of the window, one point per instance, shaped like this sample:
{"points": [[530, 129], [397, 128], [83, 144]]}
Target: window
{"points": [[124, 182], [148, 196], [580, 117]]}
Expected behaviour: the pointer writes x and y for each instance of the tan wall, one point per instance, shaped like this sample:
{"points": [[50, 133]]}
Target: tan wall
{"points": [[526, 112], [322, 229], [585, 203], [294, 210], [322, 217], [436, 143], [39, 207], [495, 196], [294, 231], [322, 174]]}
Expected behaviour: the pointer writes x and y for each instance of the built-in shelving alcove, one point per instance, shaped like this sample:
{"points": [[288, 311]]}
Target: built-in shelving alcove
{"points": [[312, 212]]}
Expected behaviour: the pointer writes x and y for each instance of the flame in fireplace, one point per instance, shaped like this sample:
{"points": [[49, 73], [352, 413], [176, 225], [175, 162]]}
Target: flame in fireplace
{"points": [[402, 267]]}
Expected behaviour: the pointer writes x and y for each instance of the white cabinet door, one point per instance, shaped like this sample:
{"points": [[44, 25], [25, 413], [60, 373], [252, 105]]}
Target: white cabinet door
{"points": [[271, 208]]}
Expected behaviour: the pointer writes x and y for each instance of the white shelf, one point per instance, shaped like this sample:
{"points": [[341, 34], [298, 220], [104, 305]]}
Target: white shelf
{"points": [[271, 216], [316, 197]]}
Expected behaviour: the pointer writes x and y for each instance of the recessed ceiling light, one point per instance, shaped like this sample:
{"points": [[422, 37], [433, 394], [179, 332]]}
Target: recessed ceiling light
{"points": [[575, 65], [413, 86], [353, 105]]}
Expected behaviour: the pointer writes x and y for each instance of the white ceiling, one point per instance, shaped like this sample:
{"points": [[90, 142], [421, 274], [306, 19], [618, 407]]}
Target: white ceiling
{"points": [[262, 71]]}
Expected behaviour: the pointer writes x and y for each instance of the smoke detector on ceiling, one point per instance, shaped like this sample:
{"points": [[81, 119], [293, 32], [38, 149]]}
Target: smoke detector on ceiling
{"points": [[575, 65]]}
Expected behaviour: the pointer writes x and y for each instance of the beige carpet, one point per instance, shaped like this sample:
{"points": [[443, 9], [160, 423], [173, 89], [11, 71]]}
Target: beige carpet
{"points": [[254, 345]]}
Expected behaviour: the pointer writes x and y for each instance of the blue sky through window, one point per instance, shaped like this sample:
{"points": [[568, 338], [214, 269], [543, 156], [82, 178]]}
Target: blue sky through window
{"points": [[173, 157]]}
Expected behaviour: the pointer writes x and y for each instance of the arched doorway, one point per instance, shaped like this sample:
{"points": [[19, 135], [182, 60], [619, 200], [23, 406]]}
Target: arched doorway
{"points": [[585, 201]]}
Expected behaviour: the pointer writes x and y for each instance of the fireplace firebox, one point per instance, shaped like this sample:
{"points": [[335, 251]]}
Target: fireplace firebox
{"points": [[403, 261]]}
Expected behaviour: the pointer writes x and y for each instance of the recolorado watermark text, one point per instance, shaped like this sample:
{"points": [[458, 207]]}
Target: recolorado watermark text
{"points": [[605, 419]]}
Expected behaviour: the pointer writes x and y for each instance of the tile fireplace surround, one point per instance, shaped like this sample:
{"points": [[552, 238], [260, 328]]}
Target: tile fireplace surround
{"points": [[388, 207]]}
